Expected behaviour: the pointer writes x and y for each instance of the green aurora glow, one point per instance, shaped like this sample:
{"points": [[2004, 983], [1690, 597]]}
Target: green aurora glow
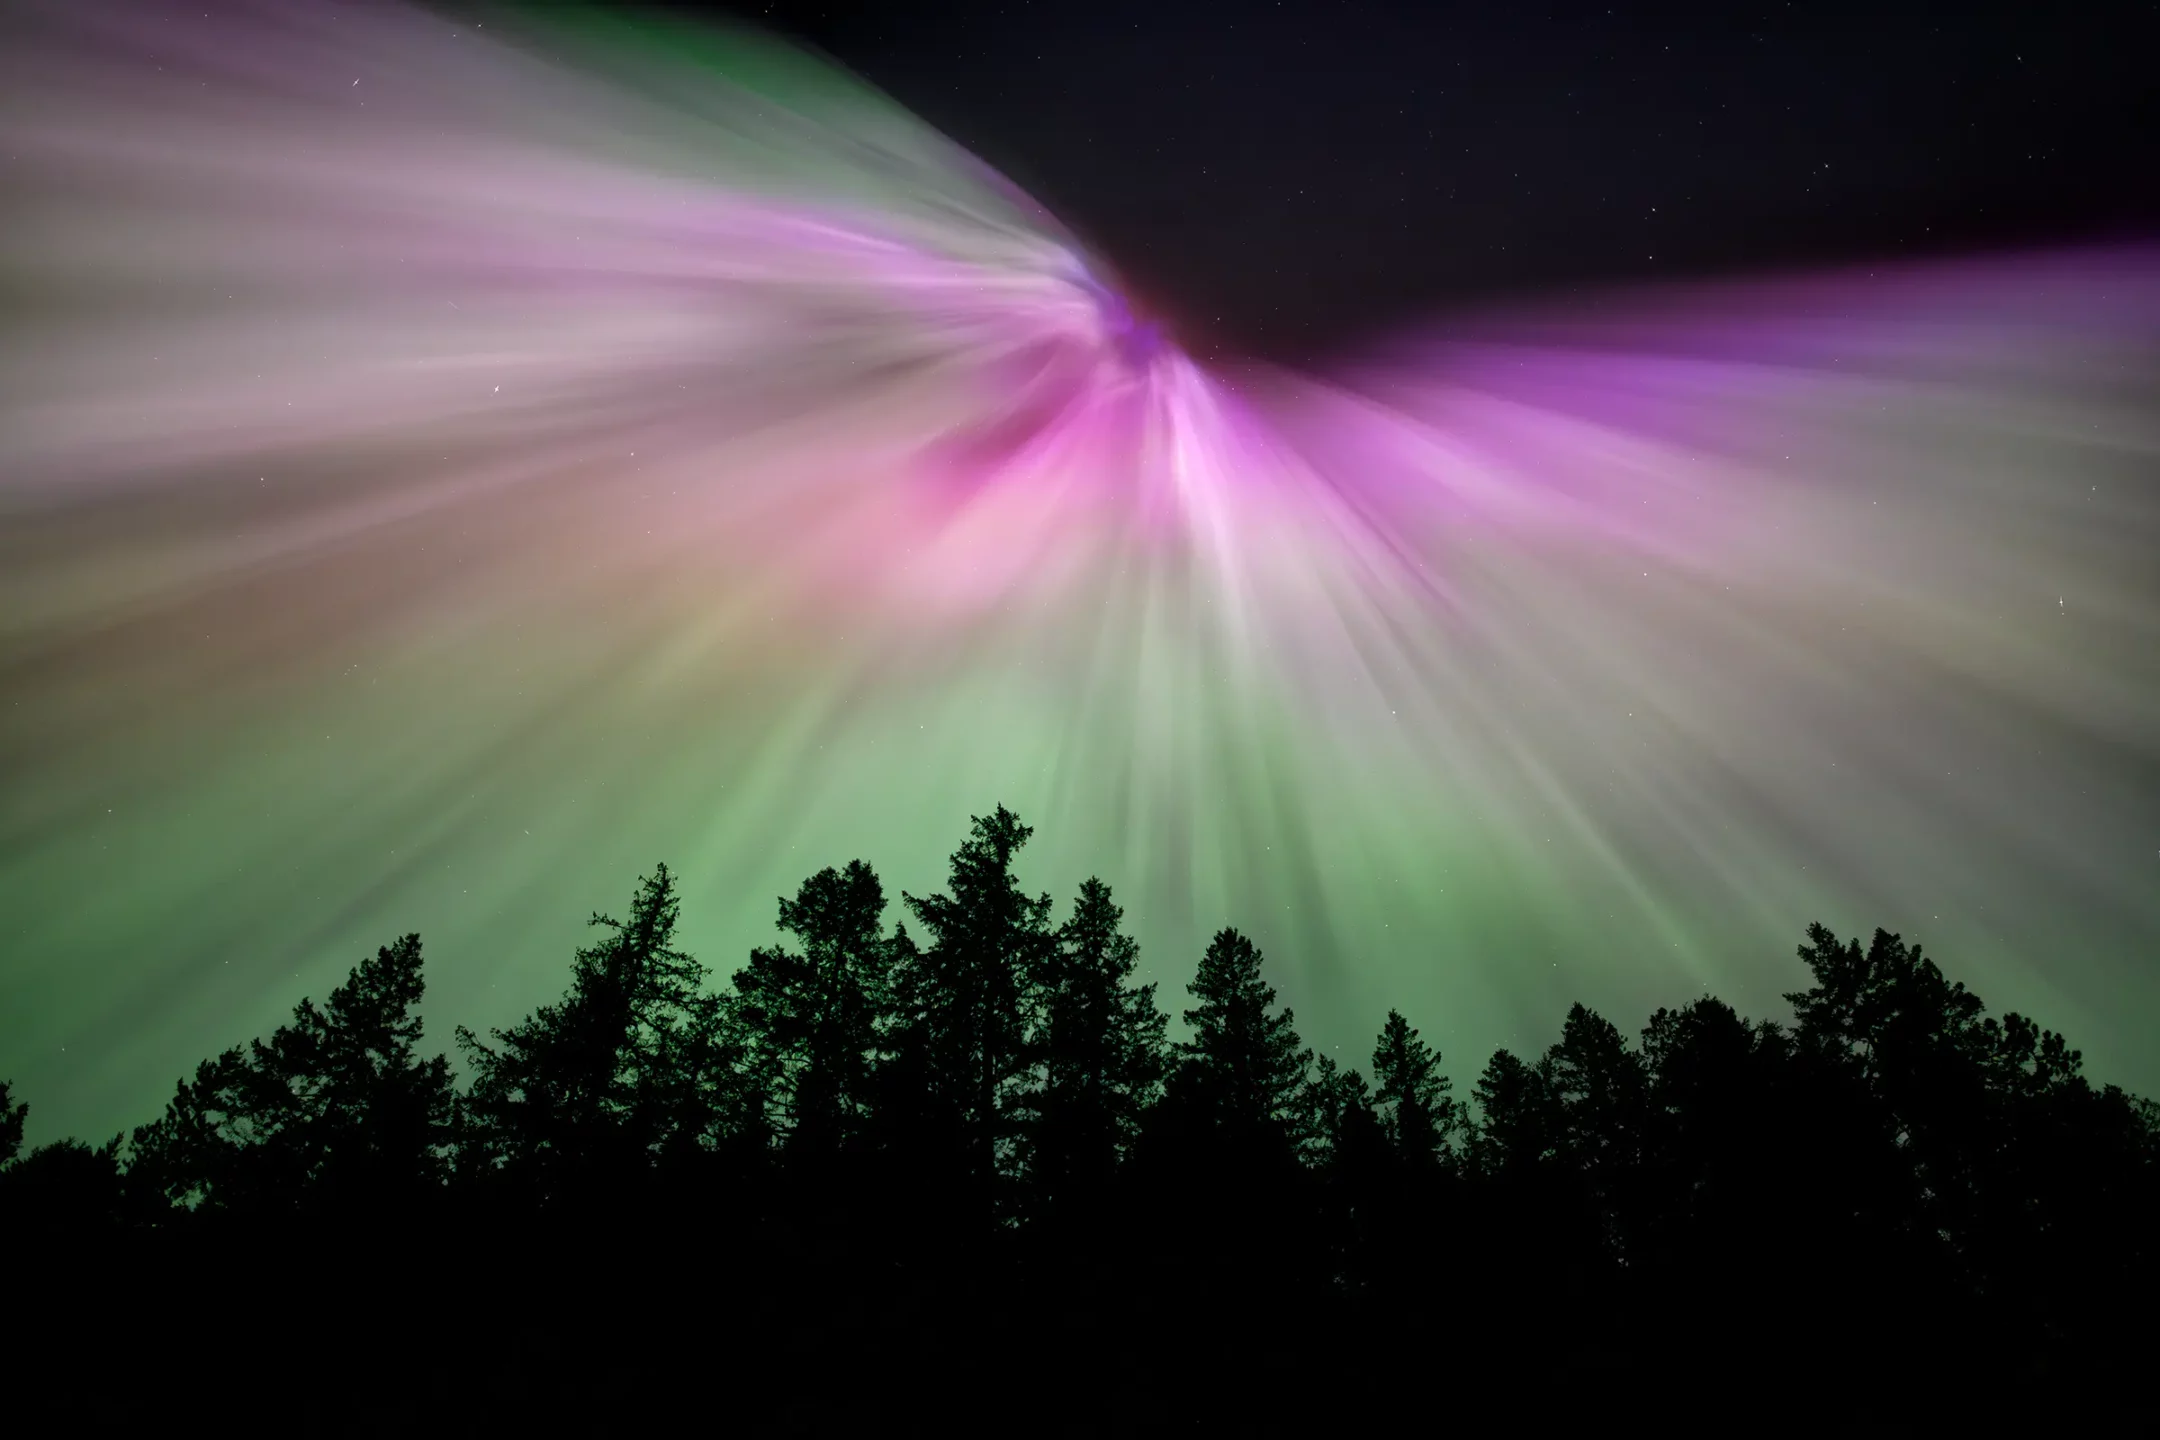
{"points": [[584, 460]]}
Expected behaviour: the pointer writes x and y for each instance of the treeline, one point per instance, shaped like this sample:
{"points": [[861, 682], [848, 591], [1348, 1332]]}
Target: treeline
{"points": [[953, 1174]]}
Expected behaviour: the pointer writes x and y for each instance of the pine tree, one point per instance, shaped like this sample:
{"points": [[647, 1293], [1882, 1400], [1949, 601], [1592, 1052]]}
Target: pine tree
{"points": [[1600, 1090], [1348, 1152], [1917, 1046], [336, 1109], [703, 1096], [1098, 1040], [962, 998], [591, 1088], [1889, 1010], [13, 1118], [1517, 1130], [62, 1188], [1244, 1068], [813, 1022], [1416, 1112], [1345, 1134]]}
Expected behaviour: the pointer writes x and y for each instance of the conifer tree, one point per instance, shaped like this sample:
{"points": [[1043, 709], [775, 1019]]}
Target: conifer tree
{"points": [[337, 1108], [1348, 1151], [1244, 1068], [1600, 1092], [1889, 1011], [1517, 1131], [13, 1118], [1345, 1134], [812, 1022], [1411, 1095], [703, 1097], [1099, 1044], [1972, 1114], [592, 1086], [63, 1187], [962, 997]]}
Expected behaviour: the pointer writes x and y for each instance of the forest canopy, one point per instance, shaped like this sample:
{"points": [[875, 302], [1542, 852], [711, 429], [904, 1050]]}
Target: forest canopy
{"points": [[902, 1131]]}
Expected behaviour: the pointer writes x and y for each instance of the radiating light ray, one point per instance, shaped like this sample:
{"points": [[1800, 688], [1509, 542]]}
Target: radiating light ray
{"points": [[427, 501]]}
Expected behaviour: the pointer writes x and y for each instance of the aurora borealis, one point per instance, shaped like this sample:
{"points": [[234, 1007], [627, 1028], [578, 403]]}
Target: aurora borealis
{"points": [[446, 468]]}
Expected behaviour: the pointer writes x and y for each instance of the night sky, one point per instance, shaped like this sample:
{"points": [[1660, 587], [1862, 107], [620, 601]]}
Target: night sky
{"points": [[1600, 492], [1283, 179]]}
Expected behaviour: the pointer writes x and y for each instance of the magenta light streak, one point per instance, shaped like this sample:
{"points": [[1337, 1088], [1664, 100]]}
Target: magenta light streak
{"points": [[442, 472]]}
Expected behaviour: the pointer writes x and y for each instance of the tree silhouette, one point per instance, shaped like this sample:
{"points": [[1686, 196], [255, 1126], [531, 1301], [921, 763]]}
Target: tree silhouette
{"points": [[13, 1117], [62, 1188], [1415, 1110], [813, 1022], [336, 1110], [1889, 1009], [1600, 1093], [1243, 1071], [1220, 1167], [962, 999], [1098, 1041], [2007, 1163], [1345, 1132], [1733, 1177], [580, 1092], [1717, 1088], [871, 1171], [1518, 1131]]}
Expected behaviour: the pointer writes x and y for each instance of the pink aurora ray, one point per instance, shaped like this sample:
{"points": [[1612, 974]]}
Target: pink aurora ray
{"points": [[441, 471]]}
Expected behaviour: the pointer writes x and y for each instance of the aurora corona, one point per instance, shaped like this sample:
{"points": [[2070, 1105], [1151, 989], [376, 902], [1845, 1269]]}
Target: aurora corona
{"points": [[442, 472]]}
